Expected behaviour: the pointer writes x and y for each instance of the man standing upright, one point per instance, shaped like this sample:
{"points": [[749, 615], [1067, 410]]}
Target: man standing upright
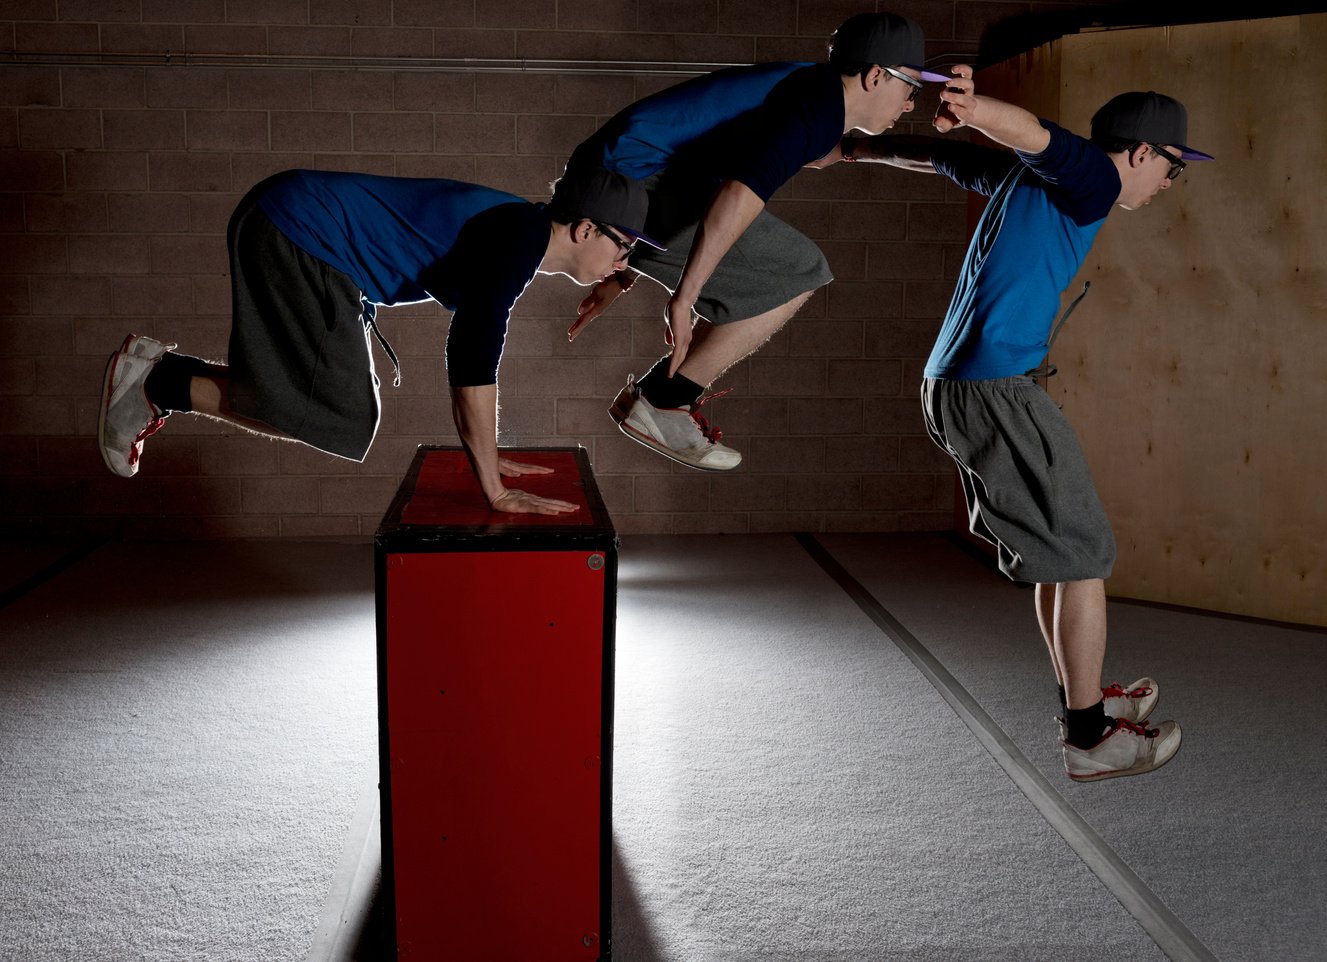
{"points": [[1023, 472], [711, 152]]}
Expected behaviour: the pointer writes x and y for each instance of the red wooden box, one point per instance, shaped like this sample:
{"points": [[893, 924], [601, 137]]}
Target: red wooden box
{"points": [[495, 681]]}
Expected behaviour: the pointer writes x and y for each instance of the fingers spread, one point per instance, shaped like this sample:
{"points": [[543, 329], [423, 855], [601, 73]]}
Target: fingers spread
{"points": [[513, 469], [549, 506], [515, 501]]}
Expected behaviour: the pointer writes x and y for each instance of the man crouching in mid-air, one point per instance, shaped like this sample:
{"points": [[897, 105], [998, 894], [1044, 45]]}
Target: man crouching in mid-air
{"points": [[312, 253]]}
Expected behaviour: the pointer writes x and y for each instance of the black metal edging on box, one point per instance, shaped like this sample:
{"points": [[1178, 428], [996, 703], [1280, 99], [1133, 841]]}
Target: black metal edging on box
{"points": [[387, 887]]}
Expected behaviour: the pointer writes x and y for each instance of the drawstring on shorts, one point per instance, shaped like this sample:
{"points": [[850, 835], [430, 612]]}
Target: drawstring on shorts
{"points": [[369, 315]]}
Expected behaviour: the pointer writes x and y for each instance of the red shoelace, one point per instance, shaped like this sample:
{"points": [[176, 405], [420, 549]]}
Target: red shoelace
{"points": [[1136, 729], [1116, 690], [136, 449], [713, 434]]}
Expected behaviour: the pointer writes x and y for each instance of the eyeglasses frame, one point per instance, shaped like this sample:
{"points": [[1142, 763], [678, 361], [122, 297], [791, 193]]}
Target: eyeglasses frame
{"points": [[1177, 164], [912, 82], [628, 247]]}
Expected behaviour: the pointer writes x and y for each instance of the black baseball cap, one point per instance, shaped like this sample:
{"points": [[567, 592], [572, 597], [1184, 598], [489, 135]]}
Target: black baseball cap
{"points": [[881, 38], [1145, 117], [605, 196]]}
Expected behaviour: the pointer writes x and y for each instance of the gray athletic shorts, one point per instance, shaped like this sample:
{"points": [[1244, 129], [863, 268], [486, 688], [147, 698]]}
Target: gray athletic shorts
{"points": [[299, 352], [770, 264], [1027, 484]]}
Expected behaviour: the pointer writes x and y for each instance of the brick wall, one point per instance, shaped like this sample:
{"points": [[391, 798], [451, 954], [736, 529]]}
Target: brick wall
{"points": [[129, 129]]}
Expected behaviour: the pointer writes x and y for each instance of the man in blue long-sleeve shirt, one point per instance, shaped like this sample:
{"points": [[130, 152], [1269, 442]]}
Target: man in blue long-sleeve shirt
{"points": [[313, 253], [1026, 480]]}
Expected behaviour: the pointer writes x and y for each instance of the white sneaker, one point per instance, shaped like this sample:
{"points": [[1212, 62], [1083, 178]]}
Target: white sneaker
{"points": [[127, 418], [1127, 749], [1134, 703], [677, 433]]}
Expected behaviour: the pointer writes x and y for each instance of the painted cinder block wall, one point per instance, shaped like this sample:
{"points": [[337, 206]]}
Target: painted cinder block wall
{"points": [[130, 128]]}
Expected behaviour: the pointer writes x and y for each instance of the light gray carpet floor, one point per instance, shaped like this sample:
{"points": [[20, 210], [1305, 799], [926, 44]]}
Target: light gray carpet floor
{"points": [[788, 787], [1231, 833], [185, 732]]}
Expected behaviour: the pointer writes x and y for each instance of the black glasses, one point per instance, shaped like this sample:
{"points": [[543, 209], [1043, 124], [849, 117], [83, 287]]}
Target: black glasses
{"points": [[912, 82], [1176, 165], [627, 246]]}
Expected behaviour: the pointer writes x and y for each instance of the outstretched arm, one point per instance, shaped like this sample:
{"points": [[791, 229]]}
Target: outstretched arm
{"points": [[909, 152], [970, 166], [475, 410], [1004, 123], [897, 150]]}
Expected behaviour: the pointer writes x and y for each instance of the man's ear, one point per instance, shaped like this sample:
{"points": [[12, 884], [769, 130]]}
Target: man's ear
{"points": [[582, 230], [1138, 155], [871, 79]]}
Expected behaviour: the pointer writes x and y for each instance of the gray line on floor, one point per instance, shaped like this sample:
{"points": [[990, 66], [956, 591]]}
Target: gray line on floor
{"points": [[346, 911], [1165, 928]]}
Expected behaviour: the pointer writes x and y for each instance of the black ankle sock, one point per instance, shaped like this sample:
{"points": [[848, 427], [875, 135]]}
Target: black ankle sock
{"points": [[168, 385], [1064, 702], [1087, 725], [668, 392]]}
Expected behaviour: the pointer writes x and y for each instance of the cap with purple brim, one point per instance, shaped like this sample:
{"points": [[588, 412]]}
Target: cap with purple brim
{"points": [[604, 196], [1146, 117], [882, 38]]}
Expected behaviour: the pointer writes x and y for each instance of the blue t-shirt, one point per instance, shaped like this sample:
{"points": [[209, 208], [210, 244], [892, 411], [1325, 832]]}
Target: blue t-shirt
{"points": [[758, 125], [404, 239], [1044, 212]]}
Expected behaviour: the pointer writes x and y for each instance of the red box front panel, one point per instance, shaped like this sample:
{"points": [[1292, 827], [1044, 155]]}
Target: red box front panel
{"points": [[494, 666]]}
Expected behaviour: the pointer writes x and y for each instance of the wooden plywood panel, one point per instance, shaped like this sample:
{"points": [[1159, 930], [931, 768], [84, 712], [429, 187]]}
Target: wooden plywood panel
{"points": [[1031, 80], [1196, 370]]}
